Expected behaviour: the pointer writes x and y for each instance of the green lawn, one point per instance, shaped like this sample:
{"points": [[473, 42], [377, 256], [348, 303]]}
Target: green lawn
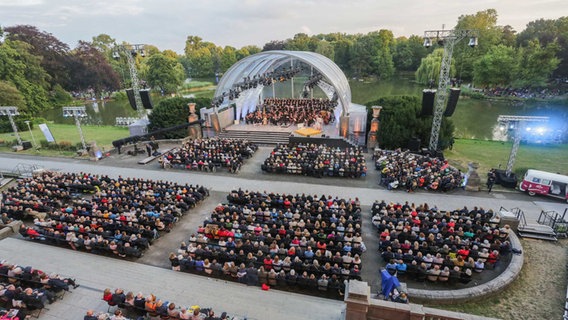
{"points": [[491, 154], [102, 135]]}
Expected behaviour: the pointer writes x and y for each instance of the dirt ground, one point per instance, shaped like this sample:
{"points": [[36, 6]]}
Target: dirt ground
{"points": [[538, 293]]}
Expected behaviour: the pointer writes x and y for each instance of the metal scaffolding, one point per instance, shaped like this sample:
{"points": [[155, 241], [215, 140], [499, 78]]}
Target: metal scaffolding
{"points": [[131, 51], [516, 124], [447, 38]]}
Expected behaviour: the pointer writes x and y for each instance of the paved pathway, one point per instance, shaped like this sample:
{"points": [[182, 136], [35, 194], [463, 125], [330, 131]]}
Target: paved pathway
{"points": [[148, 275]]}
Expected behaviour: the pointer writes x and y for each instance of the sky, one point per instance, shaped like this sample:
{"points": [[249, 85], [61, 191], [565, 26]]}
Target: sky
{"points": [[167, 23]]}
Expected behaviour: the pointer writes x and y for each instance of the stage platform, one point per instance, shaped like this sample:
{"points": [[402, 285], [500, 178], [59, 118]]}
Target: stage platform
{"points": [[331, 130]]}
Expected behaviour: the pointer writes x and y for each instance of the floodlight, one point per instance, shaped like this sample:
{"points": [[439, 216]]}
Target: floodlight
{"points": [[427, 42], [473, 42]]}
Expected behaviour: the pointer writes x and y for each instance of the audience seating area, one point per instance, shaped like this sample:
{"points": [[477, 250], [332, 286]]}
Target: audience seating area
{"points": [[426, 243], [120, 217], [26, 291], [208, 154], [134, 306], [316, 160], [410, 171], [283, 111], [301, 242]]}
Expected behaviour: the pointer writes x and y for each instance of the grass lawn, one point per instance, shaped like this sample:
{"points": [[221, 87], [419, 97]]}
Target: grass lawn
{"points": [[491, 154], [103, 135]]}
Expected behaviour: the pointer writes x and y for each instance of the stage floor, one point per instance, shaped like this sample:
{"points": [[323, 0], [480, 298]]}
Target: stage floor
{"points": [[330, 130]]}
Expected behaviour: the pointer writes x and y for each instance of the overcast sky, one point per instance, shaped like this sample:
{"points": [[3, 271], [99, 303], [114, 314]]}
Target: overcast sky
{"points": [[167, 23]]}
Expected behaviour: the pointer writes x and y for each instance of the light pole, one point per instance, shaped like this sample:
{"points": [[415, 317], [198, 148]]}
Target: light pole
{"points": [[447, 38], [11, 112], [31, 133], [131, 51], [77, 113], [516, 124]]}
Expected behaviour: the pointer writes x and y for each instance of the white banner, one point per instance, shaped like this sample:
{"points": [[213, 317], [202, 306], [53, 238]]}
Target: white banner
{"points": [[46, 132]]}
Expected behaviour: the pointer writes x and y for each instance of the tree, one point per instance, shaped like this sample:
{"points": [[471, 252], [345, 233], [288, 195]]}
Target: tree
{"points": [[325, 49], [90, 70], [54, 53], [489, 35], [228, 58], [548, 32], [172, 112], [23, 70], [384, 64], [536, 64], [429, 69], [164, 72], [408, 53], [400, 123], [274, 45], [497, 67], [11, 96]]}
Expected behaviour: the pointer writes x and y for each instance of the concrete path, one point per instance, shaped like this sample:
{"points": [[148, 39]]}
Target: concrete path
{"points": [[151, 273]]}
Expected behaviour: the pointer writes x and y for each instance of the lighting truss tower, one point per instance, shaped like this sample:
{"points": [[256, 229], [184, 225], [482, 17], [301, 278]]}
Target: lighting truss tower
{"points": [[77, 113], [130, 51], [11, 112], [448, 38], [517, 124]]}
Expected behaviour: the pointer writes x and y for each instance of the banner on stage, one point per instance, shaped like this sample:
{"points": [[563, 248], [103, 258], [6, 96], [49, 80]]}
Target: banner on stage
{"points": [[46, 132]]}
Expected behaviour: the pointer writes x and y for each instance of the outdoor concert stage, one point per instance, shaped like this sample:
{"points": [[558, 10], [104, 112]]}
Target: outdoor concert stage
{"points": [[330, 130], [271, 134]]}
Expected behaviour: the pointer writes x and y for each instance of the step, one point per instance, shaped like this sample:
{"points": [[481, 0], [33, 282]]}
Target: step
{"points": [[537, 236], [536, 228]]}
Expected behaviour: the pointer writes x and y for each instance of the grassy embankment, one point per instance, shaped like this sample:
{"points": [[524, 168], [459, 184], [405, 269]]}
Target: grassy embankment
{"points": [[491, 154]]}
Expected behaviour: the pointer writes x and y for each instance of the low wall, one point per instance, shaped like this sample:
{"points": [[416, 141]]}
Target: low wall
{"points": [[360, 306], [491, 287]]}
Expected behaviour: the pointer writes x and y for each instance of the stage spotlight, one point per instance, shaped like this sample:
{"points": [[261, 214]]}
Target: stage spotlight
{"points": [[529, 129], [473, 42]]}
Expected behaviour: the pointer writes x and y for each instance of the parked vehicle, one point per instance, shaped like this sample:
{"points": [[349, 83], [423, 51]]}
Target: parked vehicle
{"points": [[545, 183]]}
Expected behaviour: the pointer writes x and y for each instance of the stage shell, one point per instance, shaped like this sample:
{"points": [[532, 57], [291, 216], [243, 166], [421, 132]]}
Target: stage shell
{"points": [[269, 61]]}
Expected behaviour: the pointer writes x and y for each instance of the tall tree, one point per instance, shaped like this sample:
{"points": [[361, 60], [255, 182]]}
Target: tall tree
{"points": [[497, 67], [547, 32], [54, 53], [400, 123], [91, 70], [172, 112], [23, 70], [489, 35], [429, 70], [164, 72], [11, 96], [536, 64], [408, 53]]}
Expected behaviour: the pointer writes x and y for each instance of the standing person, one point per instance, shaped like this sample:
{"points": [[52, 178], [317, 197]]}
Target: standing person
{"points": [[490, 180]]}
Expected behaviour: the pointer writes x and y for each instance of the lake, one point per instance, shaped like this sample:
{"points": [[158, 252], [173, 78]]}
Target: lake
{"points": [[473, 118]]}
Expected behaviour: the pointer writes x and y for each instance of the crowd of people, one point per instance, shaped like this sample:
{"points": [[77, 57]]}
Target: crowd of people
{"points": [[410, 171], [117, 216], [426, 243], [524, 93], [316, 160], [209, 153], [25, 289], [149, 307], [284, 111], [278, 240]]}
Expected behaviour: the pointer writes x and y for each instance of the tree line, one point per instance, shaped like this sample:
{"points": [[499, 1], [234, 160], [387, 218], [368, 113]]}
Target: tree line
{"points": [[38, 71]]}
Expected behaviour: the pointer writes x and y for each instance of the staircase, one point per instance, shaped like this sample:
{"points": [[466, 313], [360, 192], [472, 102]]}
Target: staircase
{"points": [[258, 137], [533, 231]]}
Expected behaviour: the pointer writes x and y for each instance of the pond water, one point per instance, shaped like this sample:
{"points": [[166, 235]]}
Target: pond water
{"points": [[473, 118]]}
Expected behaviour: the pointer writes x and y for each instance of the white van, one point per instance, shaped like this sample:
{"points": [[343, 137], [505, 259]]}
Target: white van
{"points": [[545, 183]]}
